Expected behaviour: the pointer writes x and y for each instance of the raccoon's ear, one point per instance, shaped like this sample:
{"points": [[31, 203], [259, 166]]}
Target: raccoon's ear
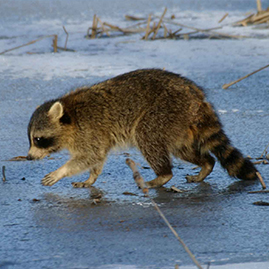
{"points": [[56, 111]]}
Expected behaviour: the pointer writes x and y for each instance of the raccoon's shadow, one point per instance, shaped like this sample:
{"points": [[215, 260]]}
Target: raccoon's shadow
{"points": [[204, 191], [241, 186], [94, 197]]}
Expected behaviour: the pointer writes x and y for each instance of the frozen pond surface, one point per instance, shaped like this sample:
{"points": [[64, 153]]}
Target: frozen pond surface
{"points": [[59, 226]]}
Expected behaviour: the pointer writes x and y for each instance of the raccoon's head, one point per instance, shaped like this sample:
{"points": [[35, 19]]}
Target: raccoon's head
{"points": [[47, 129]]}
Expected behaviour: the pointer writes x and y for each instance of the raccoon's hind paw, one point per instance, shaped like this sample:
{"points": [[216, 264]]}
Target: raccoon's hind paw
{"points": [[158, 181], [81, 185], [50, 179], [193, 179]]}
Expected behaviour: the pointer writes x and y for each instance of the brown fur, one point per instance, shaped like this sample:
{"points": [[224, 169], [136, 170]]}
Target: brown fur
{"points": [[159, 112]]}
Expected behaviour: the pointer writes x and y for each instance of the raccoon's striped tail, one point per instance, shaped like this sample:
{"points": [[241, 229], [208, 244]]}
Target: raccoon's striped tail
{"points": [[229, 157]]}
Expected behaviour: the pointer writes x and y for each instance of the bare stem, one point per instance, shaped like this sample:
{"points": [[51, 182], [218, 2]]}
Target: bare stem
{"points": [[264, 152], [94, 27], [29, 43], [225, 86], [261, 180], [137, 177], [67, 35], [159, 24], [222, 19], [55, 41], [148, 28], [259, 5], [4, 174]]}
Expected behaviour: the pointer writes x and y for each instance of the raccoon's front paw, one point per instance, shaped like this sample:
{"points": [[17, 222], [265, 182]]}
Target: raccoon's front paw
{"points": [[50, 179]]}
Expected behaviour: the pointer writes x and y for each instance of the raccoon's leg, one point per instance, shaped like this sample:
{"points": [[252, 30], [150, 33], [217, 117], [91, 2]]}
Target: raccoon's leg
{"points": [[207, 165], [205, 161], [159, 160], [94, 173], [72, 167]]}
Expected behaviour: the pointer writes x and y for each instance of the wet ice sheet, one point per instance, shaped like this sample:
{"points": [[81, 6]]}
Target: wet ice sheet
{"points": [[230, 266]]}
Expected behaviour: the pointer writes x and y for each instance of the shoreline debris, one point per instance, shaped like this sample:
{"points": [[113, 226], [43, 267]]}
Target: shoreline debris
{"points": [[262, 16], [151, 28], [155, 28]]}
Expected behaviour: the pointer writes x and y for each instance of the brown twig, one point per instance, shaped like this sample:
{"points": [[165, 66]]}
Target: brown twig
{"points": [[137, 177], [3, 173], [152, 30], [245, 21], [260, 191], [174, 33], [94, 27], [136, 24], [261, 203], [191, 27], [18, 158], [29, 43], [225, 86], [206, 30], [103, 27], [148, 28], [124, 30], [166, 31], [139, 180], [261, 180], [261, 161], [159, 24], [259, 5], [264, 152], [133, 18], [175, 189], [222, 19], [67, 35], [61, 48], [176, 235], [113, 27], [55, 41]]}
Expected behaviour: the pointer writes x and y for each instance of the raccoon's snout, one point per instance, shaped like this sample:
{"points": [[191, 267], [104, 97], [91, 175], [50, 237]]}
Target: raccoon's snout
{"points": [[35, 153], [29, 157]]}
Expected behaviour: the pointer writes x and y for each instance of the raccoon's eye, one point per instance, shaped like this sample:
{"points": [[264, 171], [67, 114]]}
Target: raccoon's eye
{"points": [[42, 142]]}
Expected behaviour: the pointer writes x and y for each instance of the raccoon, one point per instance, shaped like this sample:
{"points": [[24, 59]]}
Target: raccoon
{"points": [[160, 113]]}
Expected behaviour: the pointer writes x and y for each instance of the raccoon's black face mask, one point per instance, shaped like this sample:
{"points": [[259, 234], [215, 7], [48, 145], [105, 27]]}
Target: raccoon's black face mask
{"points": [[42, 142]]}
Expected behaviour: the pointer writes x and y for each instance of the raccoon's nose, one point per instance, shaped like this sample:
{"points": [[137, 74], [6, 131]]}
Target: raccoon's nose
{"points": [[29, 157]]}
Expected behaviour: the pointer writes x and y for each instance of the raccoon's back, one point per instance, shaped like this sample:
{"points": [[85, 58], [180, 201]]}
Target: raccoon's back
{"points": [[122, 100]]}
